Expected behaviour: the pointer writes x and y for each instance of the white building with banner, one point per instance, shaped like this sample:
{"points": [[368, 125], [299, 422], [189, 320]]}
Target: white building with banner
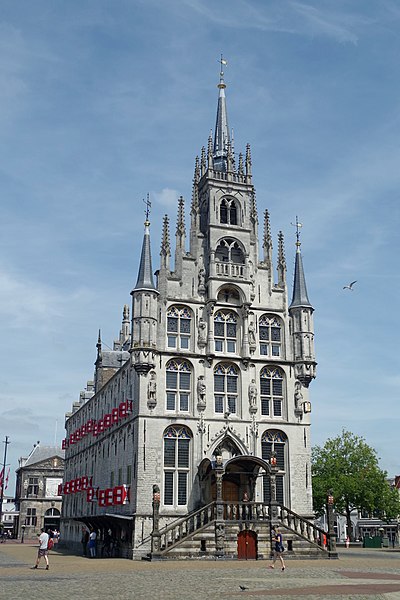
{"points": [[201, 411]]}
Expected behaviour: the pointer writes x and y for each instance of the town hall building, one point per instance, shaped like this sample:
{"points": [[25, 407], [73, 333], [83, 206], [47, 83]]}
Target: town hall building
{"points": [[195, 434]]}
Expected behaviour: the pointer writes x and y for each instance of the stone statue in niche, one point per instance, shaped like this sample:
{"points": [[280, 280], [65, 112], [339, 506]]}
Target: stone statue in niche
{"points": [[202, 280], [152, 391], [202, 327], [201, 392], [298, 396], [252, 394], [252, 335]]}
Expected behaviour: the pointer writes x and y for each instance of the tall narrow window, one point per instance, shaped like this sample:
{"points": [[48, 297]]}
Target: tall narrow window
{"points": [[223, 212], [176, 465], [228, 212], [271, 388], [270, 336], [225, 388], [178, 385], [225, 331], [31, 518], [33, 486], [178, 327], [274, 440]]}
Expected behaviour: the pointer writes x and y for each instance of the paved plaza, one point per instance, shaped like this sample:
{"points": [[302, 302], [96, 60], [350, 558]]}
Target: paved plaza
{"points": [[359, 573]]}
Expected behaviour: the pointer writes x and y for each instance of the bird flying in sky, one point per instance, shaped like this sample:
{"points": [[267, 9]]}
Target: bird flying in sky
{"points": [[350, 286]]}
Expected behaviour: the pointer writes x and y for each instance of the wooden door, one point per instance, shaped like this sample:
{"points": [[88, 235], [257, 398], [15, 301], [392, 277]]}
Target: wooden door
{"points": [[247, 545]]}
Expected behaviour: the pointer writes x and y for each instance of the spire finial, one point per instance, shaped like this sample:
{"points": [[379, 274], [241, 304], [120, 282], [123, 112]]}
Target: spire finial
{"points": [[148, 208], [223, 62], [298, 226]]}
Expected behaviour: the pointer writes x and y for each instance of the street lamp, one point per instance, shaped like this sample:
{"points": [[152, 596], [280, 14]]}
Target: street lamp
{"points": [[23, 533]]}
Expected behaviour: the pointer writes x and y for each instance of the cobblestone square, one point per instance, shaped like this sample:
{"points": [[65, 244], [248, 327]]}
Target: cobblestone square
{"points": [[359, 573]]}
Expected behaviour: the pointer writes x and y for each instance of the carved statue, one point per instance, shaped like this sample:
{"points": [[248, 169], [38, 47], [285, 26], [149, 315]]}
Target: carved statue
{"points": [[252, 334], [252, 393], [298, 396], [202, 326], [201, 391], [202, 279], [152, 390]]}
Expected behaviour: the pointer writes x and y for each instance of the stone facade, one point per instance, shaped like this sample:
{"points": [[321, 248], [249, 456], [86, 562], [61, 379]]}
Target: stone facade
{"points": [[217, 364], [37, 490]]}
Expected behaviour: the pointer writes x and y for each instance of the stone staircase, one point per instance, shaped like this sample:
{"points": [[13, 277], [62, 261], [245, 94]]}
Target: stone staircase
{"points": [[194, 536]]}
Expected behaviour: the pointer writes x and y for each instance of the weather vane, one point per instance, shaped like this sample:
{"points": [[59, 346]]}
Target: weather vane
{"points": [[298, 226], [222, 61], [148, 207]]}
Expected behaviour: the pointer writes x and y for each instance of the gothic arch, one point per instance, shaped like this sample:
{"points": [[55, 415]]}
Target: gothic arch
{"points": [[229, 211], [231, 294], [230, 250]]}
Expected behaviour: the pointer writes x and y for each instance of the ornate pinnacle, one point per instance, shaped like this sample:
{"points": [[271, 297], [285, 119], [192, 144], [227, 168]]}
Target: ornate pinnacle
{"points": [[203, 161], [165, 243], [281, 259], [180, 224], [210, 157], [248, 160], [241, 166]]}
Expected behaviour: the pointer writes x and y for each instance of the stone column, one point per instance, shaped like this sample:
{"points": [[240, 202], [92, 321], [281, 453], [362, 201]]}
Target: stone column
{"points": [[155, 534], [219, 520]]}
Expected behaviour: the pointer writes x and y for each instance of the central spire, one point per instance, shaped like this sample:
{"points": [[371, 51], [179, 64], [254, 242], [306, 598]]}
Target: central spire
{"points": [[221, 137]]}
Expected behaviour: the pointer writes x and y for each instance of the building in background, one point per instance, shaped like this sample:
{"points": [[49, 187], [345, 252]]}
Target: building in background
{"points": [[9, 518], [207, 385], [37, 497]]}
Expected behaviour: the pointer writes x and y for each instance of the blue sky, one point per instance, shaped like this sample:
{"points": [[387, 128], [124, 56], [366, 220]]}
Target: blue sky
{"points": [[103, 102]]}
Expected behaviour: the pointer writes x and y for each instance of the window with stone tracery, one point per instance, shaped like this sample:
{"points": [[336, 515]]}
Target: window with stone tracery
{"points": [[229, 250], [270, 336], [228, 212], [178, 385], [225, 331], [178, 327], [271, 391], [177, 440], [274, 440], [226, 377]]}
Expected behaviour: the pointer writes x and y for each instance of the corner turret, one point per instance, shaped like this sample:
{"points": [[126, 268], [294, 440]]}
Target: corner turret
{"points": [[301, 313]]}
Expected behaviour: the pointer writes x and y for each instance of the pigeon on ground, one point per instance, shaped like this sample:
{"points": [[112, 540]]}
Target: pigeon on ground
{"points": [[350, 286], [243, 587]]}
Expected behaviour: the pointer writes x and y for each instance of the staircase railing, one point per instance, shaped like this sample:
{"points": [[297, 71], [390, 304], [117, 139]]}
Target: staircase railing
{"points": [[173, 534], [303, 528]]}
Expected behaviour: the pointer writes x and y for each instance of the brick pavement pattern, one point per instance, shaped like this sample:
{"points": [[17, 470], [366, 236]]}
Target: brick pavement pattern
{"points": [[359, 574]]}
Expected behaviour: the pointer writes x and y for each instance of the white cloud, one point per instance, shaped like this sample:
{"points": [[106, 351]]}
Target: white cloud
{"points": [[26, 303], [167, 197]]}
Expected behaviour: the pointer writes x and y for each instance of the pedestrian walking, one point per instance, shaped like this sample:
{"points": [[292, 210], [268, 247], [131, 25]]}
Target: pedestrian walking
{"points": [[278, 548], [42, 551]]}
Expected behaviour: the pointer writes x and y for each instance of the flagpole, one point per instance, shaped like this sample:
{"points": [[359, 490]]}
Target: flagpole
{"points": [[6, 442]]}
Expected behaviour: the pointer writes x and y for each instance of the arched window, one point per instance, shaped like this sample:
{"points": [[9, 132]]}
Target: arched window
{"points": [[269, 328], [52, 512], [228, 212], [274, 440], [225, 388], [271, 388], [178, 327], [228, 250], [225, 331], [176, 465], [178, 385]]}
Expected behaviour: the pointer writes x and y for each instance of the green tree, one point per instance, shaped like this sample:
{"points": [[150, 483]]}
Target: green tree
{"points": [[348, 467]]}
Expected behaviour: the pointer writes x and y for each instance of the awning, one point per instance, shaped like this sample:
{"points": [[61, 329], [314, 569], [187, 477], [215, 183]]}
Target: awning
{"points": [[126, 517]]}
